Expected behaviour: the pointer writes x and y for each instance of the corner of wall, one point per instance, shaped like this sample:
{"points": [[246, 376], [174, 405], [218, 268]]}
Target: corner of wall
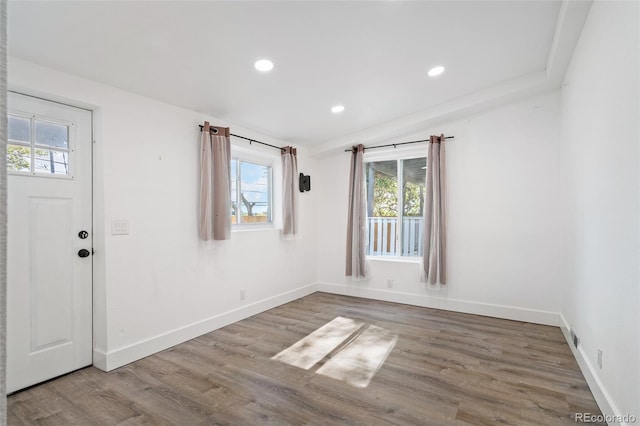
{"points": [[602, 397]]}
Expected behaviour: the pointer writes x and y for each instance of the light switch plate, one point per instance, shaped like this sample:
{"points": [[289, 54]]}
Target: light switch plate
{"points": [[120, 227]]}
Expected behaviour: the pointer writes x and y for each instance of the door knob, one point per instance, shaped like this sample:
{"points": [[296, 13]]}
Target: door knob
{"points": [[84, 253], [83, 235]]}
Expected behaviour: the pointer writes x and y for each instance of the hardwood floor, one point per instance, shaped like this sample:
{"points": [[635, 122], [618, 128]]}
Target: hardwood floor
{"points": [[445, 369]]}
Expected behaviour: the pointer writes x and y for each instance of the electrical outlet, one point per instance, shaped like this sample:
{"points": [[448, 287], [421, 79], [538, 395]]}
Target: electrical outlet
{"points": [[243, 294], [600, 358], [390, 283]]}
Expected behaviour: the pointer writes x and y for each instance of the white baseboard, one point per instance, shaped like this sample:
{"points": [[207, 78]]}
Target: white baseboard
{"points": [[108, 361], [125, 355], [602, 397], [100, 359], [464, 306]]}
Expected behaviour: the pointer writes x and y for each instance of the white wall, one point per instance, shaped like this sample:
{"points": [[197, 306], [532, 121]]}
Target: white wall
{"points": [[600, 136], [160, 285], [522, 178], [504, 242]]}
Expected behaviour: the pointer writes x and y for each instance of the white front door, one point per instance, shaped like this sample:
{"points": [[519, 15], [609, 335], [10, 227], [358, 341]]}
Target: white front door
{"points": [[49, 284]]}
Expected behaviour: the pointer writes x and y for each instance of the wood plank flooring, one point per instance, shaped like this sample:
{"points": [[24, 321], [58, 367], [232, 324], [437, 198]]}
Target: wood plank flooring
{"points": [[446, 369]]}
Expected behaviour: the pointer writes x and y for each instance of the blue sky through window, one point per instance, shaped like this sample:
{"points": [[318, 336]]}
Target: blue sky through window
{"points": [[254, 196], [255, 186]]}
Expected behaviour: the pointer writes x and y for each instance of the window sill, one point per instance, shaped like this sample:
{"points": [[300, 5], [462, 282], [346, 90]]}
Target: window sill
{"points": [[251, 228], [396, 259]]}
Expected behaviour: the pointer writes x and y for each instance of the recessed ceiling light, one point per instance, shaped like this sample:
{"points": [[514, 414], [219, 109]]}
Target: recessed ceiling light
{"points": [[263, 65], [436, 71], [337, 109]]}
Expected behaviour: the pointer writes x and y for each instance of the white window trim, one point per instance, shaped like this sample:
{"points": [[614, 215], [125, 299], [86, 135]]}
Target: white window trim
{"points": [[387, 154], [258, 156], [397, 259], [395, 154]]}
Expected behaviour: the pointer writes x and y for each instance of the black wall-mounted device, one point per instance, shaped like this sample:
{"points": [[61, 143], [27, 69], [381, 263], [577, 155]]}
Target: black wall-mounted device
{"points": [[305, 183]]}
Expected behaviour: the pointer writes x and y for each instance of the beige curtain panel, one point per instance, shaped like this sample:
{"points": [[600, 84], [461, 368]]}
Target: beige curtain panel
{"points": [[434, 258], [357, 220], [215, 183], [289, 192]]}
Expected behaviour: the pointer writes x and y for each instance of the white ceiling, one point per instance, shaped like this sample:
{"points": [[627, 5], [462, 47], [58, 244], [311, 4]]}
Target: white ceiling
{"points": [[371, 57]]}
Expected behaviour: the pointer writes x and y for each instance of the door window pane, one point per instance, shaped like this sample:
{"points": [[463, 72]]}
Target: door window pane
{"points": [[46, 151], [50, 161], [51, 134], [19, 129], [18, 158]]}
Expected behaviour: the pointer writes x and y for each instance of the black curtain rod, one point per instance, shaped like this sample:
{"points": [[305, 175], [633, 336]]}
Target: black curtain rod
{"points": [[250, 140], [396, 144]]}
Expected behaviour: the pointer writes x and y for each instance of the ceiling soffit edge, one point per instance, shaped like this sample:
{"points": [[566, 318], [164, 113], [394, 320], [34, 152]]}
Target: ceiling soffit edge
{"points": [[494, 96]]}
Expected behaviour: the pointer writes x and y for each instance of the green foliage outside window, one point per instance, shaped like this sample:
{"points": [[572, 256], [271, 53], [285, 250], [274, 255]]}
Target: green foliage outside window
{"points": [[385, 196], [413, 199], [18, 158]]}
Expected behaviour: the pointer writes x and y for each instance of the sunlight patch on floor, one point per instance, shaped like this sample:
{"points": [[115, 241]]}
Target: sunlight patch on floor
{"points": [[308, 351], [359, 361], [354, 362]]}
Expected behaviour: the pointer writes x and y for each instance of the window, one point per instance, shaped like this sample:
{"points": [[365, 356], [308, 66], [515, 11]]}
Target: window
{"points": [[395, 206], [251, 195], [37, 147]]}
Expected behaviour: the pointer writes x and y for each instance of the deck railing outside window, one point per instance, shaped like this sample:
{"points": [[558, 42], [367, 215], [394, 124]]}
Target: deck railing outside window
{"points": [[383, 236]]}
